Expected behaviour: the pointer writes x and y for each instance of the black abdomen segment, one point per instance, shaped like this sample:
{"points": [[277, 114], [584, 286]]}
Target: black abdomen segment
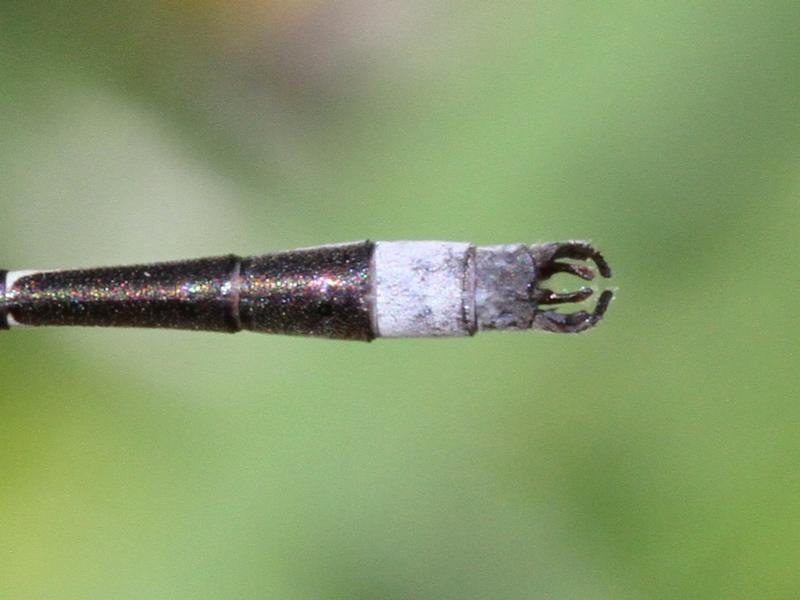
{"points": [[3, 309], [317, 292]]}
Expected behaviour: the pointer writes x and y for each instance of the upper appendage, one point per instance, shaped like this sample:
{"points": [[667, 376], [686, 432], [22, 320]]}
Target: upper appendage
{"points": [[555, 257]]}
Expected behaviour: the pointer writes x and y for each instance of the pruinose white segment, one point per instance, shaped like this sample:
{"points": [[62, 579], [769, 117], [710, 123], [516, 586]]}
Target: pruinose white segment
{"points": [[423, 289]]}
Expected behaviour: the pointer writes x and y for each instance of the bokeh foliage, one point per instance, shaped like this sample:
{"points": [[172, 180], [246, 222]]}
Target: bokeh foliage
{"points": [[657, 457]]}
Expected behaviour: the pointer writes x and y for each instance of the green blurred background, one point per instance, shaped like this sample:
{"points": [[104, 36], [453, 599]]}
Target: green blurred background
{"points": [[655, 457]]}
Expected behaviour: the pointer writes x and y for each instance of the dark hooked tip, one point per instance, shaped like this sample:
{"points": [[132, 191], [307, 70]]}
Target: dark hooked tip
{"points": [[546, 257]]}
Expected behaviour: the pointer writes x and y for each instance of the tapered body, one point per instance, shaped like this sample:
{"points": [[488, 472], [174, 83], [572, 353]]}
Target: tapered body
{"points": [[355, 291]]}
